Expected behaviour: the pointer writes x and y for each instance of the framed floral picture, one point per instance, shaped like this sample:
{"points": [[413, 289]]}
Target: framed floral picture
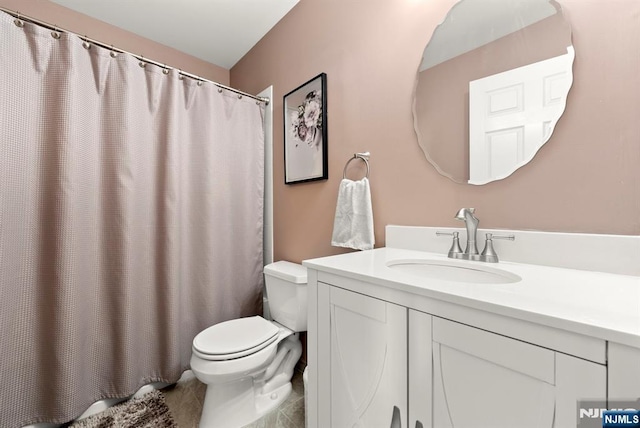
{"points": [[305, 132]]}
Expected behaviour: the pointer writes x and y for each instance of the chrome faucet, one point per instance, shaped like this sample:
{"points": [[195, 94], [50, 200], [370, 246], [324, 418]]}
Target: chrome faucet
{"points": [[471, 223], [471, 252]]}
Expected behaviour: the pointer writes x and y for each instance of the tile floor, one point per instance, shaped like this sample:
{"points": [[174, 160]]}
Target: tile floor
{"points": [[186, 397]]}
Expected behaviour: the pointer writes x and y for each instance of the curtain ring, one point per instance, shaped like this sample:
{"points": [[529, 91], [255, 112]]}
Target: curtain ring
{"points": [[18, 21], [165, 70], [142, 63], [219, 90], [180, 76], [55, 33], [199, 82], [85, 43], [239, 96]]}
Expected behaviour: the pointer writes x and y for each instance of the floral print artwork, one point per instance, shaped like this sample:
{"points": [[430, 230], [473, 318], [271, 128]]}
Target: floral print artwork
{"points": [[305, 132], [306, 122]]}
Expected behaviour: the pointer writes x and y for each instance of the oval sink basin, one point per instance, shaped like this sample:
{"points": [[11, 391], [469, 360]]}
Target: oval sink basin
{"points": [[452, 271]]}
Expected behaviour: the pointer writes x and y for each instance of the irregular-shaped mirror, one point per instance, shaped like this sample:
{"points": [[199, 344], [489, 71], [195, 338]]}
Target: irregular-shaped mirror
{"points": [[491, 87]]}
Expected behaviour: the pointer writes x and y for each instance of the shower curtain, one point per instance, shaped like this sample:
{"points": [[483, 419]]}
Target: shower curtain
{"points": [[131, 204]]}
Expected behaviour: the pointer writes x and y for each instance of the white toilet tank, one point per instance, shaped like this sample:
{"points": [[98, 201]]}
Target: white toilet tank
{"points": [[287, 293]]}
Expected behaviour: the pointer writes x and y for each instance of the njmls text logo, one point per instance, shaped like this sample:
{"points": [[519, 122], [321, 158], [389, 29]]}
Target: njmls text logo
{"points": [[618, 414], [621, 418]]}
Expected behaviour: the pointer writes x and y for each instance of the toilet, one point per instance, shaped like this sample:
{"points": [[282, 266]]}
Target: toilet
{"points": [[247, 363]]}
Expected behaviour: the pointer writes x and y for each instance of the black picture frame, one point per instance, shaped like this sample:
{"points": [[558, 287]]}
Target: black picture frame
{"points": [[305, 132]]}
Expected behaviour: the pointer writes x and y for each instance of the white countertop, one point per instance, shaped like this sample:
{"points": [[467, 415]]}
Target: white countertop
{"points": [[601, 305]]}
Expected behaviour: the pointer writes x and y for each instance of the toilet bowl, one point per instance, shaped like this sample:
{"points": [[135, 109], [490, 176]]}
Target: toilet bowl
{"points": [[247, 363]]}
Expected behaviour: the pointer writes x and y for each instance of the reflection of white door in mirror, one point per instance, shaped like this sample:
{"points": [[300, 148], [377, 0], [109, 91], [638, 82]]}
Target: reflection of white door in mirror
{"points": [[513, 113]]}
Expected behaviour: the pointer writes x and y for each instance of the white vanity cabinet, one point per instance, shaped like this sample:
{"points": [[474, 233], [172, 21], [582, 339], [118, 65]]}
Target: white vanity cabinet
{"points": [[390, 359], [366, 384]]}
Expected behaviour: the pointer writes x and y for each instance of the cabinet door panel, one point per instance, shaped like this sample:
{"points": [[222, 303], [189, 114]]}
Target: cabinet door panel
{"points": [[518, 356], [577, 379], [624, 372], [368, 361], [470, 392]]}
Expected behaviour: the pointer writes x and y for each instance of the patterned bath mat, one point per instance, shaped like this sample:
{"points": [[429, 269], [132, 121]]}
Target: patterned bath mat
{"points": [[148, 411]]}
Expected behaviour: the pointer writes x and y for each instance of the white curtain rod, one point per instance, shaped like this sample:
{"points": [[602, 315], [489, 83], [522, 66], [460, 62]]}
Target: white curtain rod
{"points": [[52, 27]]}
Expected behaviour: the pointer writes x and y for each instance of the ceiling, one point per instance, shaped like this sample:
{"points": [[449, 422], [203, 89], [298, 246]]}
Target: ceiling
{"points": [[218, 31]]}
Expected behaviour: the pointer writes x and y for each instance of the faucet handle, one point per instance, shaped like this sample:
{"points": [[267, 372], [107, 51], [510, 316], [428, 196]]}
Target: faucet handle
{"points": [[455, 252], [507, 237], [489, 254]]}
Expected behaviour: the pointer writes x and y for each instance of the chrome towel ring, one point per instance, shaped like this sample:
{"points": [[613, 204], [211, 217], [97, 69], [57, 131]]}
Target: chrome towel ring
{"points": [[364, 157]]}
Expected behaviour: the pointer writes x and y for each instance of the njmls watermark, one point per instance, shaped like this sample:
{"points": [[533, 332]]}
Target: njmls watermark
{"points": [[615, 414]]}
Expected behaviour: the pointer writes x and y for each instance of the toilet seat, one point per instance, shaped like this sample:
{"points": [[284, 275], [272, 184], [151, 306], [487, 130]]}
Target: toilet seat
{"points": [[235, 338]]}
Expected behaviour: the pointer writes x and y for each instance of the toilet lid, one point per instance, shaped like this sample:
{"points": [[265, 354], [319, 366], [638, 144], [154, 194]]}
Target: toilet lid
{"points": [[235, 336]]}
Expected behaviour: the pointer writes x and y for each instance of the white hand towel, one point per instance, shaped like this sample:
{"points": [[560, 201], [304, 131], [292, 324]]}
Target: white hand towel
{"points": [[353, 224]]}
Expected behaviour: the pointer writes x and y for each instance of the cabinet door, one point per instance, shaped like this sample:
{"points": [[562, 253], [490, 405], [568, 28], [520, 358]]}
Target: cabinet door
{"points": [[624, 373], [577, 380], [368, 362], [482, 379]]}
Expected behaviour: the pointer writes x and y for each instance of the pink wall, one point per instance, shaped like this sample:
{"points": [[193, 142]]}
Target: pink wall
{"points": [[81, 24], [585, 179]]}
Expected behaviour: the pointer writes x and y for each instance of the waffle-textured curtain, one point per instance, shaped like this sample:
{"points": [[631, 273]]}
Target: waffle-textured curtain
{"points": [[130, 219]]}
